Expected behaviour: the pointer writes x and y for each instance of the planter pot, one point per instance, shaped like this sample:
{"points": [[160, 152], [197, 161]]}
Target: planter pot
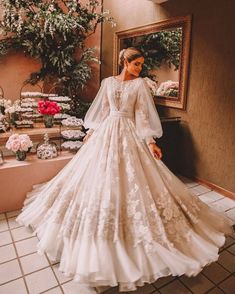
{"points": [[20, 155], [48, 121]]}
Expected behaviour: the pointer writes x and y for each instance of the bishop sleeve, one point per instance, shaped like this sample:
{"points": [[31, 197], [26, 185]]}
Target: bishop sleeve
{"points": [[147, 121], [98, 110]]}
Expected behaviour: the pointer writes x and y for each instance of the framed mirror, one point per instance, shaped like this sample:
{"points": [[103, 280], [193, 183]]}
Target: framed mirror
{"points": [[166, 46]]}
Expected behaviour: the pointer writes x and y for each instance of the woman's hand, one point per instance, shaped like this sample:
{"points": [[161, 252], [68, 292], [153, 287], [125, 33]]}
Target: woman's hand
{"points": [[156, 151], [86, 138]]}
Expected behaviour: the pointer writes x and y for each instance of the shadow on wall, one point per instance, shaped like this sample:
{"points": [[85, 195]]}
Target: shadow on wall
{"points": [[188, 154], [179, 151]]}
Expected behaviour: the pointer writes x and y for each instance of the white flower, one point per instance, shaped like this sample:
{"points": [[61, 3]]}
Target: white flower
{"points": [[167, 85], [5, 103]]}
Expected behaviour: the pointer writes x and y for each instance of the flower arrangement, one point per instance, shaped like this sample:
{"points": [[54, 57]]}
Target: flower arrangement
{"points": [[168, 88], [152, 85], [4, 104], [48, 107], [19, 144]]}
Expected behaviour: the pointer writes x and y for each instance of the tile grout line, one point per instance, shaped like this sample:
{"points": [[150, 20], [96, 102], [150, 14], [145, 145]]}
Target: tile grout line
{"points": [[24, 275], [185, 285], [19, 256], [51, 266], [213, 281], [18, 259]]}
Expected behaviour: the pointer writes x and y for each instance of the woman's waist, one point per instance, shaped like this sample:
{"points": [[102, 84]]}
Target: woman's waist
{"points": [[117, 113]]}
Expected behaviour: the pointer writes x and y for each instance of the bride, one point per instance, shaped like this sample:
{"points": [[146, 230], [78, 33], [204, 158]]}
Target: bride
{"points": [[115, 214]]}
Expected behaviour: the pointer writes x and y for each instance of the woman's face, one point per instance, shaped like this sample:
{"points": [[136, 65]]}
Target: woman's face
{"points": [[134, 67]]}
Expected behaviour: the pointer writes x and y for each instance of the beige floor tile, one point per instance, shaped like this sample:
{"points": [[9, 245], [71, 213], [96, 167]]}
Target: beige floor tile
{"points": [[215, 272], [223, 204], [14, 287], [12, 213], [198, 190], [228, 286], [232, 235], [9, 271], [5, 238], [163, 281], [56, 290], [175, 287], [110, 290], [41, 281], [33, 262], [60, 276], [52, 262], [103, 289], [229, 241], [227, 260], [75, 288], [231, 249], [146, 289], [21, 233], [7, 253], [189, 183], [3, 225], [2, 216], [198, 284], [26, 246], [215, 291], [231, 213], [211, 197], [13, 224]]}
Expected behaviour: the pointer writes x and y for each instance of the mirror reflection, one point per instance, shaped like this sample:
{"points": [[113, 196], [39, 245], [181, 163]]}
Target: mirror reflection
{"points": [[166, 49]]}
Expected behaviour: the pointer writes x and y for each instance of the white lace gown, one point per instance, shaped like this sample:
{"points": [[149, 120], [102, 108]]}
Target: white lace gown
{"points": [[115, 215]]}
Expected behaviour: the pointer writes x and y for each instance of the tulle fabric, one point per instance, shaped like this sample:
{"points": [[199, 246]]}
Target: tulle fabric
{"points": [[114, 215], [85, 220], [137, 102]]}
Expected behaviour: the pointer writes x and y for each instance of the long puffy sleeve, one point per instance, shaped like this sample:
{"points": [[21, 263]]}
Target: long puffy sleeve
{"points": [[147, 121], [98, 110]]}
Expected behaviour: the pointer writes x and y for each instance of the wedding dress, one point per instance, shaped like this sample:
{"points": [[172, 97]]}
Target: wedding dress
{"points": [[115, 215]]}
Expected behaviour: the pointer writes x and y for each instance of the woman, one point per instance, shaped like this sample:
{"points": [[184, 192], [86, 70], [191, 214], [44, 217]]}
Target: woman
{"points": [[115, 215]]}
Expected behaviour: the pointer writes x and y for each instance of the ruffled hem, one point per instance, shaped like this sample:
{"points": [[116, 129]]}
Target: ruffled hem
{"points": [[99, 262], [59, 213], [126, 266]]}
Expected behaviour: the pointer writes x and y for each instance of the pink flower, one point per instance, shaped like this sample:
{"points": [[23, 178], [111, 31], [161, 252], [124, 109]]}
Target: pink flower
{"points": [[15, 145], [19, 142], [24, 145]]}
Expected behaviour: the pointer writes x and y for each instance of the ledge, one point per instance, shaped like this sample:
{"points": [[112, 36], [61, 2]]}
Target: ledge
{"points": [[36, 133], [18, 177], [11, 162]]}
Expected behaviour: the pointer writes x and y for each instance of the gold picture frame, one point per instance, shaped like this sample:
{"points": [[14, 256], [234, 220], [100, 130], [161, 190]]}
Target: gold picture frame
{"points": [[183, 22]]}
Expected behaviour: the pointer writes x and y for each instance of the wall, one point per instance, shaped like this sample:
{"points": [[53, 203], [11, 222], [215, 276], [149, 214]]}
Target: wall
{"points": [[208, 124], [15, 68]]}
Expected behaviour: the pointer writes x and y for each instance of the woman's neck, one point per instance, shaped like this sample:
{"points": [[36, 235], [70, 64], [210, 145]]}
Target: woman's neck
{"points": [[125, 76]]}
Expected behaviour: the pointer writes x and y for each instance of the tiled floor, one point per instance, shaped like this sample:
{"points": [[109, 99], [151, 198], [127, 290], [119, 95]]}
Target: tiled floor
{"points": [[23, 271]]}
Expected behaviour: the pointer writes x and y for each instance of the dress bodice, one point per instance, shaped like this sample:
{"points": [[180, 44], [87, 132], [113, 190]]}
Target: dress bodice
{"points": [[122, 95], [131, 99]]}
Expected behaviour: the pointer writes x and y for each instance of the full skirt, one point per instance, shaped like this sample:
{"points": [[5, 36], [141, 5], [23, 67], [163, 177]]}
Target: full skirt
{"points": [[115, 215]]}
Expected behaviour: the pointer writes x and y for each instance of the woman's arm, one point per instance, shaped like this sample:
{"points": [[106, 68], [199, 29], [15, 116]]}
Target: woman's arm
{"points": [[98, 111], [147, 121]]}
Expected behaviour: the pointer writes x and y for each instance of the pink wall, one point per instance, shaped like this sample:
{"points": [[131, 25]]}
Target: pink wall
{"points": [[26, 174], [15, 68]]}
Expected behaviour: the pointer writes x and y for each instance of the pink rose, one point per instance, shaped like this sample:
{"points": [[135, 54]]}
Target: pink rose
{"points": [[15, 145], [24, 146]]}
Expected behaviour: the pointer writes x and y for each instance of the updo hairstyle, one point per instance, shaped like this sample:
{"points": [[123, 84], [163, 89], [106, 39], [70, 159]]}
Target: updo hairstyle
{"points": [[129, 54]]}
